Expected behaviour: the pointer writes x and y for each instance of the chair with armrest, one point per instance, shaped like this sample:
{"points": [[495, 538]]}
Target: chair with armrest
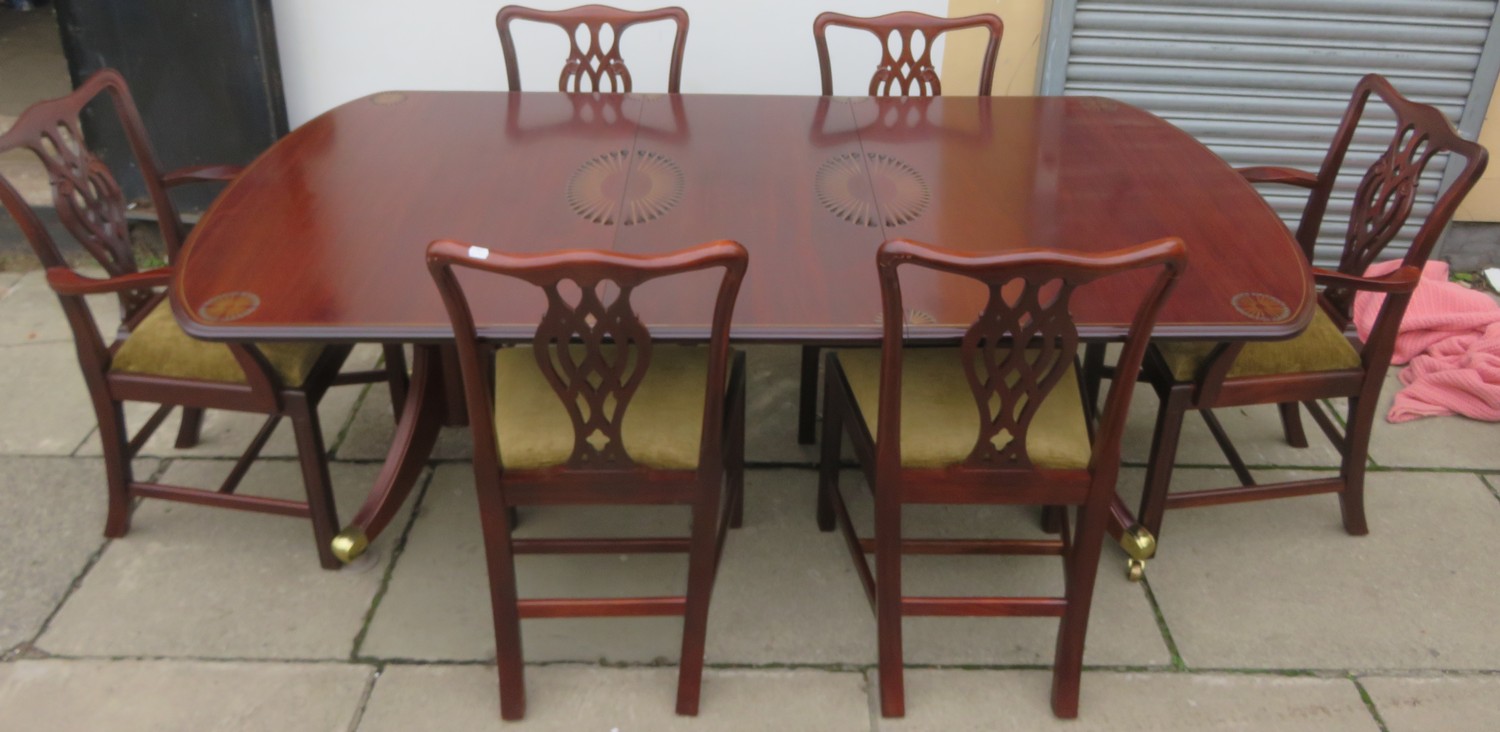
{"points": [[148, 358], [598, 68], [1000, 419], [1326, 361], [592, 412]]}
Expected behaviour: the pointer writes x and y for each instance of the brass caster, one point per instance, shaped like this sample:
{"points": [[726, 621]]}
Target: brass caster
{"points": [[349, 544], [1138, 543], [1137, 569]]}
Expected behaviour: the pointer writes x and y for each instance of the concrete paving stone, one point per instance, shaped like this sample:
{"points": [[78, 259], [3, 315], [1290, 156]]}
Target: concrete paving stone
{"points": [[227, 434], [576, 697], [369, 433], [772, 390], [192, 581], [1280, 585], [786, 593], [1431, 442], [1255, 430], [1452, 704], [154, 696], [30, 313], [51, 522], [8, 282], [44, 400], [957, 701]]}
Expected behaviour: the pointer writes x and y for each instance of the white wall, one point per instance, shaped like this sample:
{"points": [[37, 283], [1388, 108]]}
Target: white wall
{"points": [[336, 50]]}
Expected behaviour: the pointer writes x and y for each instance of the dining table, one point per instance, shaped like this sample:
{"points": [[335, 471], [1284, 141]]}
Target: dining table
{"points": [[322, 238]]}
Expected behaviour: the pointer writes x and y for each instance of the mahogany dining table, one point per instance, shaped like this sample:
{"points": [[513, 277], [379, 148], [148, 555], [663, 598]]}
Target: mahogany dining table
{"points": [[322, 238]]}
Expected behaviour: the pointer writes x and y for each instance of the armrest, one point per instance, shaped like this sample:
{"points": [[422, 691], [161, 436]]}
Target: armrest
{"points": [[67, 282], [1402, 280], [1272, 174], [201, 174]]}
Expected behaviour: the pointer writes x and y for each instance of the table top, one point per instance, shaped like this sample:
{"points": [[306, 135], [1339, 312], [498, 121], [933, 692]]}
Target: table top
{"points": [[323, 236]]}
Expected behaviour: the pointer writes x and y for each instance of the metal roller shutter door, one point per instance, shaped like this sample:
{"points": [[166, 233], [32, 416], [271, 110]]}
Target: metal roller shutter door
{"points": [[1264, 82]]}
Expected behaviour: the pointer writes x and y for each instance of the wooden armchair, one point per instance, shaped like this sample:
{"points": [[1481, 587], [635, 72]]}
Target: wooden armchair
{"points": [[148, 358], [1326, 361], [593, 413], [910, 74], [588, 69], [1026, 438]]}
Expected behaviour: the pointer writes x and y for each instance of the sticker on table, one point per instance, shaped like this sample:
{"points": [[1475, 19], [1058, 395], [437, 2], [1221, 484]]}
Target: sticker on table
{"points": [[388, 98], [633, 190], [1260, 306], [890, 192], [228, 306]]}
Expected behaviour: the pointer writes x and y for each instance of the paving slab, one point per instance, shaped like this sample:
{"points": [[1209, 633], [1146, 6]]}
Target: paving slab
{"points": [[575, 697], [772, 391], [191, 581], [1255, 430], [1431, 442], [51, 523], [8, 282], [151, 696], [957, 701], [30, 312], [44, 400], [227, 434], [1448, 703], [369, 433], [1280, 585], [786, 593]]}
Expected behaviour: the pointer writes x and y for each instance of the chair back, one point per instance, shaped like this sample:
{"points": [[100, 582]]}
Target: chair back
{"points": [[591, 346], [906, 68], [1022, 342], [589, 68], [1387, 192]]}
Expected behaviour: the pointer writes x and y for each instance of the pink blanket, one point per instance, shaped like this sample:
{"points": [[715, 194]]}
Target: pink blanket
{"points": [[1451, 339]]}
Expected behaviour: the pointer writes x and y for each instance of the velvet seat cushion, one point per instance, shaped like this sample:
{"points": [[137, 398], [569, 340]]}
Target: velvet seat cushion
{"points": [[159, 347], [663, 422], [940, 419], [1322, 347]]}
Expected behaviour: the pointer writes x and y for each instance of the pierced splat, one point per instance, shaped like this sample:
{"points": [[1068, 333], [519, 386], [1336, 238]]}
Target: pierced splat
{"points": [[906, 39], [1385, 196], [88, 200], [594, 63], [1015, 352], [594, 350]]}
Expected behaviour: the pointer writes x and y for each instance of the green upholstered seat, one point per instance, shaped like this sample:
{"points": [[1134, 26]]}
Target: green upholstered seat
{"points": [[940, 419], [662, 427], [1322, 347], [159, 347]]}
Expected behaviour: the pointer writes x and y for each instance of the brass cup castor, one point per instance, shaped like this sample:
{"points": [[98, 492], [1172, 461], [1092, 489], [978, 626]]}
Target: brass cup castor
{"points": [[1140, 545], [349, 544], [1135, 569]]}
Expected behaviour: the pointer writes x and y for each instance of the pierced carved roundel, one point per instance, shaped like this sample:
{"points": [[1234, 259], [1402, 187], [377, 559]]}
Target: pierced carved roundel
{"points": [[1260, 306], [229, 306], [617, 186], [849, 192]]}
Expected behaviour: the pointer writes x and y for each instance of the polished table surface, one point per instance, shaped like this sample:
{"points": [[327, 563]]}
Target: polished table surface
{"points": [[323, 236]]}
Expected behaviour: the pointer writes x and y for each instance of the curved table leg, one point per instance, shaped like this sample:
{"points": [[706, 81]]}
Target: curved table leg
{"points": [[416, 433]]}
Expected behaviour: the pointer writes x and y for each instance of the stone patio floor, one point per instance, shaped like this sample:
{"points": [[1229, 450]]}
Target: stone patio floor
{"points": [[1254, 617]]}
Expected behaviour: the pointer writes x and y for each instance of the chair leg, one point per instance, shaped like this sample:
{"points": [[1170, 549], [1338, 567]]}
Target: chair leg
{"points": [[1052, 519], [1093, 374], [702, 565], [807, 412], [395, 375], [504, 602], [1082, 570], [1291, 424], [1169, 416], [314, 460], [1356, 454], [190, 428], [832, 449], [115, 440], [888, 601], [735, 465]]}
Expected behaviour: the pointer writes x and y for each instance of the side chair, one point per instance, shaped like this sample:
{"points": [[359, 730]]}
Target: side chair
{"points": [[999, 419], [907, 73], [147, 357], [1327, 361], [592, 412], [599, 67]]}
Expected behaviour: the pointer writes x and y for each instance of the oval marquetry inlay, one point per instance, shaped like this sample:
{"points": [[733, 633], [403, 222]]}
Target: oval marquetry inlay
{"points": [[1260, 306], [389, 97], [848, 192], [228, 306], [616, 187]]}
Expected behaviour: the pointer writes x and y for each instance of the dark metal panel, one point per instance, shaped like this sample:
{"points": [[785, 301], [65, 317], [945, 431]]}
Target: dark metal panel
{"points": [[205, 75]]}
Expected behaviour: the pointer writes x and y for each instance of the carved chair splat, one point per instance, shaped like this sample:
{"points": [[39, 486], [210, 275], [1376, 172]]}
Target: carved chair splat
{"points": [[596, 66], [906, 40]]}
